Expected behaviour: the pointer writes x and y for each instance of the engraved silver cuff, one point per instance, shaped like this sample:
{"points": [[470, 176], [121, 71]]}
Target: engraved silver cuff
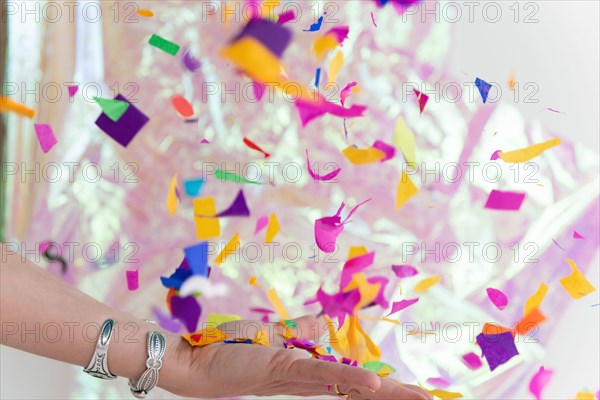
{"points": [[157, 344], [98, 366]]}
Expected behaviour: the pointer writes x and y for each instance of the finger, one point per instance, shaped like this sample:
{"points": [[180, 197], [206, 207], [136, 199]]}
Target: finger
{"points": [[325, 373], [308, 327]]}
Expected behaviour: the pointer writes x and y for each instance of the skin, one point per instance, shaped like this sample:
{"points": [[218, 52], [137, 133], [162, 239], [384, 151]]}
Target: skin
{"points": [[68, 329]]}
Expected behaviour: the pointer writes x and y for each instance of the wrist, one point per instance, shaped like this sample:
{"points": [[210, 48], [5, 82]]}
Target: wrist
{"points": [[176, 362]]}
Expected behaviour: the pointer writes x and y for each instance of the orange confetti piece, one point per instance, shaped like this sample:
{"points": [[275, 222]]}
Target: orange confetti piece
{"points": [[145, 13], [205, 337], [277, 304], [7, 105], [529, 322]]}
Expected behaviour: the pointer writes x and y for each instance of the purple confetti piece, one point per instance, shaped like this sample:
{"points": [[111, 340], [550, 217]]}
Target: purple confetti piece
{"points": [[497, 349], [187, 310], [124, 130]]}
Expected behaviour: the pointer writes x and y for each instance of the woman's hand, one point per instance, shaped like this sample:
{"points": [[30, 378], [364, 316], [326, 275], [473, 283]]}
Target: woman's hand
{"points": [[232, 369]]}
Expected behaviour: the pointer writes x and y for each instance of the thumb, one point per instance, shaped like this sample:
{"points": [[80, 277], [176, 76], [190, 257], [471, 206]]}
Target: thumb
{"points": [[310, 327]]}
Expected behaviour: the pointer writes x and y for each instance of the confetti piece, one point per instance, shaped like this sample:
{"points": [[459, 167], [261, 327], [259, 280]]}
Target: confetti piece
{"points": [[145, 13], [273, 229], [380, 368], [286, 17], [363, 156], [353, 266], [405, 191], [253, 281], [264, 311], [274, 37], [113, 109], [323, 45], [373, 19], [500, 200], [45, 136], [338, 305], [388, 150], [206, 228], [132, 279], [404, 271], [495, 155], [165, 321], [172, 199], [177, 278], [187, 310], [261, 223], [192, 187], [498, 298], [205, 337], [318, 77], [7, 105], [442, 394], [528, 153], [536, 299], [472, 361], [340, 33], [371, 290], [346, 91], [576, 284], [577, 235], [422, 98], [182, 106], [164, 45], [439, 383], [314, 27], [404, 139], [529, 322], [553, 110], [254, 146], [262, 338], [497, 349], [190, 63], [327, 229], [539, 381], [317, 177], [401, 305], [277, 304], [238, 208], [427, 283], [511, 82], [124, 130], [226, 176], [197, 258], [484, 88], [585, 396], [72, 90], [334, 66], [198, 284], [230, 248], [311, 109], [218, 319]]}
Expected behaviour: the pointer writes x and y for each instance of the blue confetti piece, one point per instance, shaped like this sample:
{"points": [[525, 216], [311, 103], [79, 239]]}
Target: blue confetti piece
{"points": [[318, 77], [197, 258], [484, 88], [193, 186]]}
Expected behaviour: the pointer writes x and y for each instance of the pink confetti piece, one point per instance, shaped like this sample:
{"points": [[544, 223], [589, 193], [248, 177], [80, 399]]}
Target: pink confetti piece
{"points": [[327, 229], [401, 305], [286, 17], [495, 155], [373, 19], [309, 110], [472, 360], [439, 383], [499, 200], [498, 298], [354, 266], [553, 110], [388, 150], [317, 177], [43, 247], [73, 90], [422, 98], [258, 89], [346, 91], [204, 141], [261, 223], [404, 271], [340, 32], [45, 136], [577, 235], [539, 381], [132, 279]]}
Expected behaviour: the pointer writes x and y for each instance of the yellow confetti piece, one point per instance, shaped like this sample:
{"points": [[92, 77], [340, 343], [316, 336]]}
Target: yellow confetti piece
{"points": [[230, 248], [361, 347], [215, 320], [273, 229], [427, 283], [366, 318], [536, 299], [404, 139], [363, 156], [511, 82], [277, 304], [253, 281], [262, 338], [172, 199], [7, 105], [205, 337], [406, 190], [528, 153], [334, 66], [206, 227], [323, 45], [585, 396], [442, 394], [145, 13], [356, 251], [368, 291], [576, 284]]}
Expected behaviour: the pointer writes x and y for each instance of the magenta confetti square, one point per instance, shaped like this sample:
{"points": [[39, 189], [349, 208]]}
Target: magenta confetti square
{"points": [[500, 200], [125, 129], [45, 136], [132, 279]]}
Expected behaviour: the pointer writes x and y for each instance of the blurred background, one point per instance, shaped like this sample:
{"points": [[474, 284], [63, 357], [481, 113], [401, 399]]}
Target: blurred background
{"points": [[549, 47]]}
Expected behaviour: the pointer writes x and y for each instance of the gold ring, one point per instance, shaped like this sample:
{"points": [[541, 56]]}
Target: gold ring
{"points": [[339, 393]]}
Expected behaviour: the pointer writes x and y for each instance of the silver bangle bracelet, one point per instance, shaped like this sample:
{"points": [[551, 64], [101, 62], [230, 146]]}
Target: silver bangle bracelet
{"points": [[157, 344], [98, 366]]}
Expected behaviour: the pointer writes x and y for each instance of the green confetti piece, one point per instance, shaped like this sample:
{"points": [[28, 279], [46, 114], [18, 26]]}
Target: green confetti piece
{"points": [[113, 109], [290, 323], [376, 366], [164, 45], [231, 177]]}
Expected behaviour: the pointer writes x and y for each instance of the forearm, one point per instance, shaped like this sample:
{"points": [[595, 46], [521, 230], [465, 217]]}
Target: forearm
{"points": [[42, 315]]}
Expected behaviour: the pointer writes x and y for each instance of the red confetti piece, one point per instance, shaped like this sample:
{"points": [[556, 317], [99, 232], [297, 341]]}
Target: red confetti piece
{"points": [[183, 107], [254, 146]]}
